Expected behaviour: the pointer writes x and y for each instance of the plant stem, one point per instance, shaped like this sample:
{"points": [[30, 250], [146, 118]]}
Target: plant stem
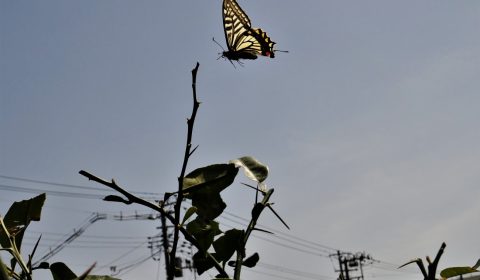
{"points": [[188, 146], [250, 228], [14, 251]]}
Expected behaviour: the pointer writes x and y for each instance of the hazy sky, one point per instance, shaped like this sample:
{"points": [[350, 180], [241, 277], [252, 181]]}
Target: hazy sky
{"points": [[369, 126]]}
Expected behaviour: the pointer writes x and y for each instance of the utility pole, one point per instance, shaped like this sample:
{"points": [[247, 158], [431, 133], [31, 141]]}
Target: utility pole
{"points": [[349, 263], [340, 264], [166, 251]]}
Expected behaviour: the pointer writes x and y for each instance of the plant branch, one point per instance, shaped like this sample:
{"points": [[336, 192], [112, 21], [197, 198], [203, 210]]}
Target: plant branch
{"points": [[188, 152], [432, 266], [134, 199]]}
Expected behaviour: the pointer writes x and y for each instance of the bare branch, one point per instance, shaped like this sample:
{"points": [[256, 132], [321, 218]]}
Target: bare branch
{"points": [[188, 152]]}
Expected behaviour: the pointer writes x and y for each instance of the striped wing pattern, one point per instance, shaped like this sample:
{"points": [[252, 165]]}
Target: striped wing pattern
{"points": [[243, 41]]}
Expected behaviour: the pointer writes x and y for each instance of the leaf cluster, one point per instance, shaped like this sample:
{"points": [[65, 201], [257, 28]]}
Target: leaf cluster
{"points": [[12, 230], [203, 187]]}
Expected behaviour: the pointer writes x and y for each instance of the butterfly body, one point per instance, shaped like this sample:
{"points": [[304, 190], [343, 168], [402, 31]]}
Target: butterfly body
{"points": [[243, 41]]}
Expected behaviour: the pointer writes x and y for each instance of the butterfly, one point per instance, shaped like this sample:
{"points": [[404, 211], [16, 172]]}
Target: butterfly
{"points": [[243, 41]]}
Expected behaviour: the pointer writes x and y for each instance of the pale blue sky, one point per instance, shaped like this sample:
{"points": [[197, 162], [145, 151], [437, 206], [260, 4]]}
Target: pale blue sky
{"points": [[369, 124]]}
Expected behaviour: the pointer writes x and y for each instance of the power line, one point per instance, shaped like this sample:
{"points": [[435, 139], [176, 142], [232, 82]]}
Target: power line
{"points": [[124, 255], [88, 236], [290, 247], [297, 273], [59, 193], [325, 247], [49, 192], [134, 265], [67, 185]]}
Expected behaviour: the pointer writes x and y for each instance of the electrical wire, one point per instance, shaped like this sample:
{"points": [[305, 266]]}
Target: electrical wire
{"points": [[326, 248], [297, 273], [50, 192], [134, 265], [68, 185], [123, 255]]}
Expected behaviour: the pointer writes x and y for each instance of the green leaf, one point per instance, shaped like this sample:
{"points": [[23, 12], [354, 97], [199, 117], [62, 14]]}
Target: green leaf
{"points": [[18, 217], [204, 232], [214, 178], [192, 210], [252, 168], [202, 263], [456, 271], [228, 243], [60, 271], [251, 261]]}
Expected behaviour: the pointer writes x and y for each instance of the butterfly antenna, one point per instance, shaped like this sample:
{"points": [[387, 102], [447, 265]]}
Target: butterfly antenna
{"points": [[280, 51], [213, 38]]}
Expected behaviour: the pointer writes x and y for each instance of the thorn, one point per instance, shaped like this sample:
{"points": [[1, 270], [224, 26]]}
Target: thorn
{"points": [[283, 222], [191, 152]]}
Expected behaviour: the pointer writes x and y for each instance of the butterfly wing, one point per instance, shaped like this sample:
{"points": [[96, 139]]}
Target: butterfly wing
{"points": [[243, 41]]}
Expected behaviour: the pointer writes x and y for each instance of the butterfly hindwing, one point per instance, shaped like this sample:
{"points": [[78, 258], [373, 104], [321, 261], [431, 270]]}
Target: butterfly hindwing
{"points": [[243, 41]]}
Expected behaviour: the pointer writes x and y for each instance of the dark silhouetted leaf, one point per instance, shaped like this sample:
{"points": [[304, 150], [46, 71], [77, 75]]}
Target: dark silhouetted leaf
{"points": [[253, 169], [251, 261], [215, 177], [202, 263], [203, 186], [204, 232], [209, 205], [192, 210], [18, 218], [60, 271], [228, 243], [43, 265], [116, 198]]}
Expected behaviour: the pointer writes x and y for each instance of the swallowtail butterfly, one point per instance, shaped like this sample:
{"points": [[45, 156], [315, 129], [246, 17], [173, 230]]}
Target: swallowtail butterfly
{"points": [[243, 41]]}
